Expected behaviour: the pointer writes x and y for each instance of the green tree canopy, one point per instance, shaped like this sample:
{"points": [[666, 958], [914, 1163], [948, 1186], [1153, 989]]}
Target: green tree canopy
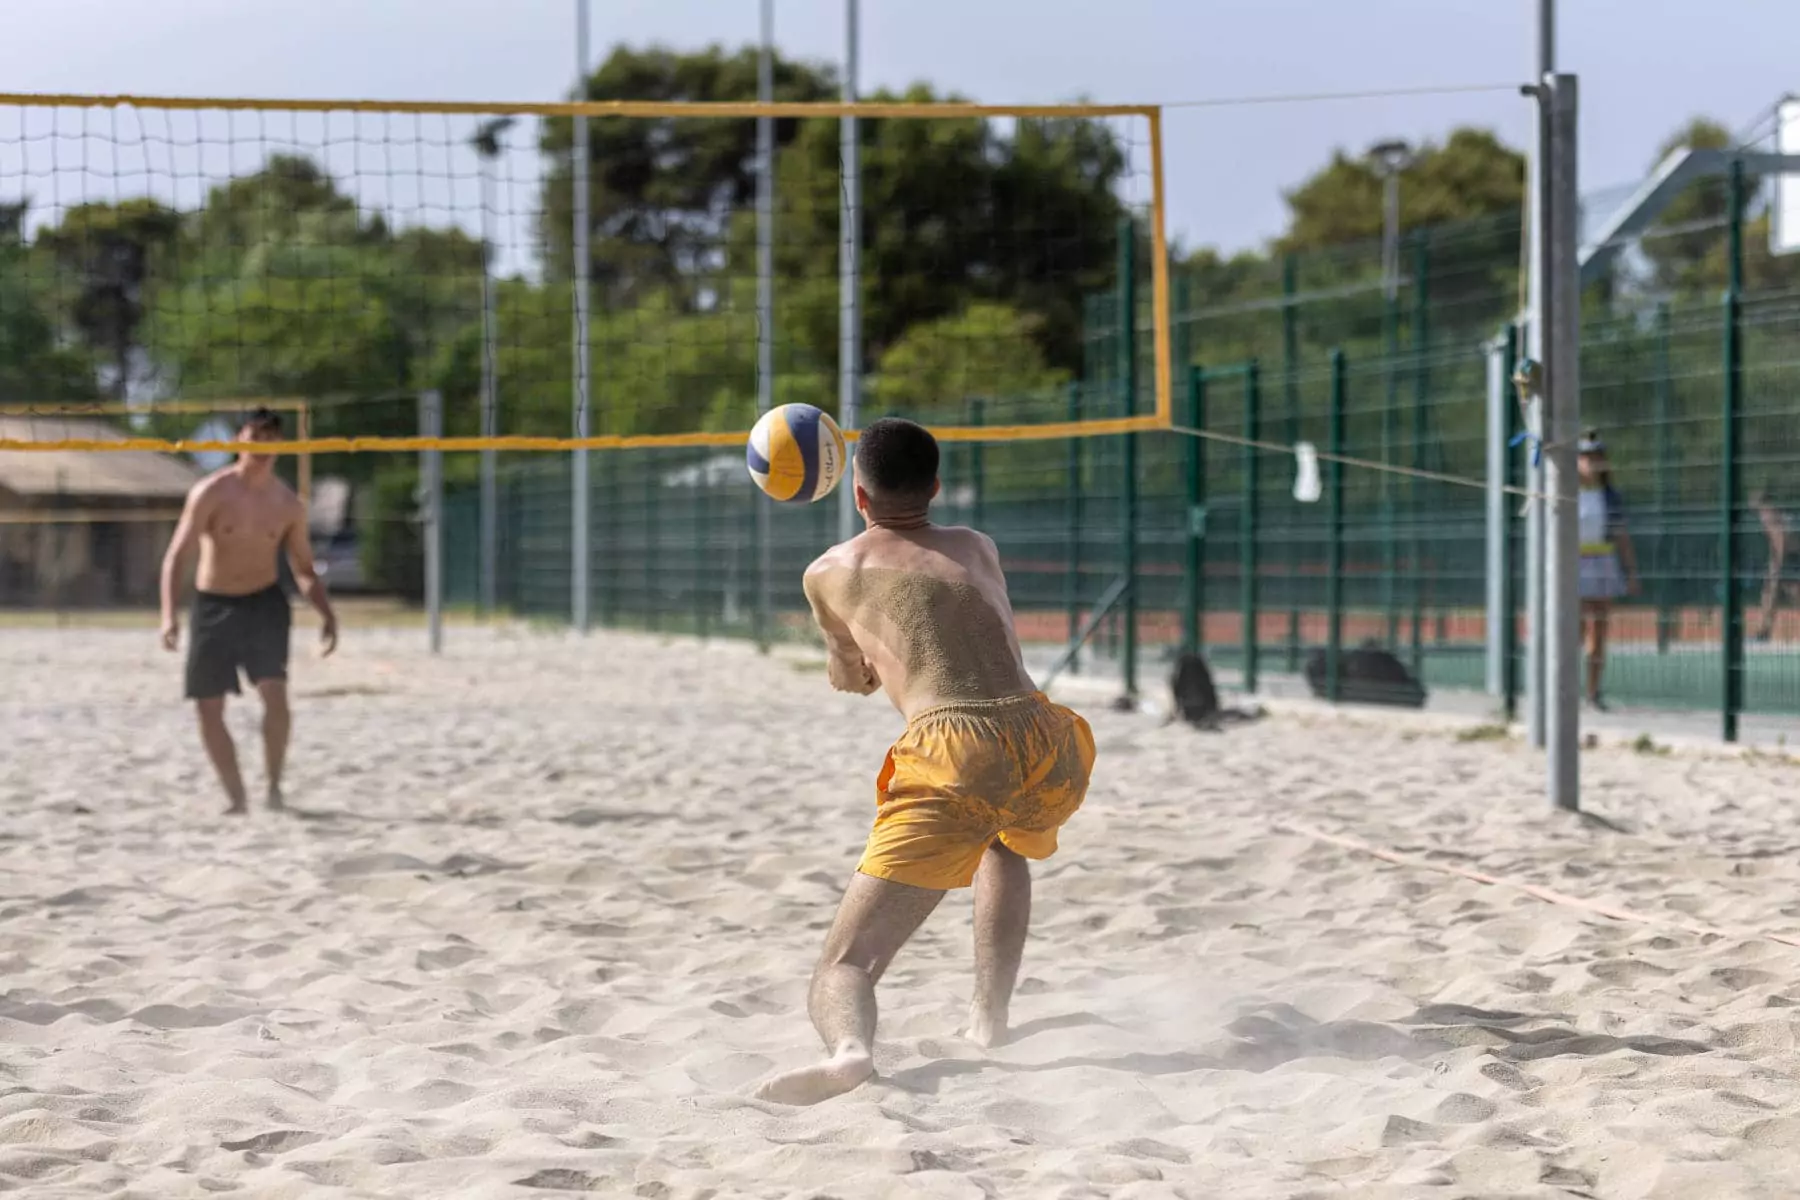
{"points": [[661, 192]]}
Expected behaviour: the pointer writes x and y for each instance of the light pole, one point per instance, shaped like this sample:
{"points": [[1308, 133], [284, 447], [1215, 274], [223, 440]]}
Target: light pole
{"points": [[487, 148], [1389, 160]]}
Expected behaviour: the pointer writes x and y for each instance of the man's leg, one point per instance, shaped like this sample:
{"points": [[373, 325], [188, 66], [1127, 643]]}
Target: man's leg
{"points": [[1002, 917], [217, 740], [277, 722], [873, 922]]}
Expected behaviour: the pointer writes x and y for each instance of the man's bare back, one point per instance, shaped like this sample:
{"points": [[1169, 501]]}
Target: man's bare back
{"points": [[922, 613], [985, 774]]}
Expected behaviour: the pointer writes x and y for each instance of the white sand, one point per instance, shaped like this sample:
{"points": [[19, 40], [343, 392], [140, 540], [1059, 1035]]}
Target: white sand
{"points": [[549, 908]]}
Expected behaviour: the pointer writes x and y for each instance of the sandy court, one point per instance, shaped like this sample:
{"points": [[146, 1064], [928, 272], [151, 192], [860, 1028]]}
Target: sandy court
{"points": [[547, 907]]}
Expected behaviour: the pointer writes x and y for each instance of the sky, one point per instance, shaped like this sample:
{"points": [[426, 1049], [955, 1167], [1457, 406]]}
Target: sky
{"points": [[1227, 166]]}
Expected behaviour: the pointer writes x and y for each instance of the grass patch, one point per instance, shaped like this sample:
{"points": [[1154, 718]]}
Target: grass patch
{"points": [[1484, 733]]}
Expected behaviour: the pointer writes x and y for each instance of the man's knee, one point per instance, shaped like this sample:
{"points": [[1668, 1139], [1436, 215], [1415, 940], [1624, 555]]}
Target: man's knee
{"points": [[274, 696], [211, 712]]}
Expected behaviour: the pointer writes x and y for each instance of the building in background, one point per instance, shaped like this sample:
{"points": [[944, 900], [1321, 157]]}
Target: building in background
{"points": [[84, 529]]}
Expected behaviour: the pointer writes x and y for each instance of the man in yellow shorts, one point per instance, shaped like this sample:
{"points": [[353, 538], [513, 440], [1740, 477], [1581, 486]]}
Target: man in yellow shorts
{"points": [[985, 774]]}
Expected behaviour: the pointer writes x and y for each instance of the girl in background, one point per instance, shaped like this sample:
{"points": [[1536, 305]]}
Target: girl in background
{"points": [[1608, 562]]}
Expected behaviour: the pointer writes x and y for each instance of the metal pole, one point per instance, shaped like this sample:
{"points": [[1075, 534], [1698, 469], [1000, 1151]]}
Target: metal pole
{"points": [[1498, 611], [1665, 479], [1247, 529], [1390, 412], [1730, 598], [765, 303], [579, 581], [1509, 599], [1290, 385], [1334, 566], [849, 270], [1194, 548], [1539, 315], [490, 427], [1421, 344], [431, 472], [1129, 484], [1562, 625], [1072, 579]]}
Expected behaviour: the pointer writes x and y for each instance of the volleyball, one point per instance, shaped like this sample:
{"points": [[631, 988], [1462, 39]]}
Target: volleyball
{"points": [[796, 453]]}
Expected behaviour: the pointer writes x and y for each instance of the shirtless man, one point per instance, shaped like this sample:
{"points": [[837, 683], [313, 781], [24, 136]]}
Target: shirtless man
{"points": [[242, 517], [980, 781]]}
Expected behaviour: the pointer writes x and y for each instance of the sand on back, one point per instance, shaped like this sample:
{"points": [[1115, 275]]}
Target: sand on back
{"points": [[929, 611]]}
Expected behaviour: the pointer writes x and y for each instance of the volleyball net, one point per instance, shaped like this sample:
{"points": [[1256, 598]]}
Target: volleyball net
{"points": [[156, 253]]}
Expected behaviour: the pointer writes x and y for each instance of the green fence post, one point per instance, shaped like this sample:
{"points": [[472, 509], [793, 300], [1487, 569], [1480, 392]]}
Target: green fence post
{"points": [[652, 613], [1128, 383], [1194, 561], [1730, 600], [702, 530], [1072, 576], [1665, 481], [1421, 340], [1247, 556], [1334, 565], [978, 465], [1390, 446], [1290, 387], [1509, 601]]}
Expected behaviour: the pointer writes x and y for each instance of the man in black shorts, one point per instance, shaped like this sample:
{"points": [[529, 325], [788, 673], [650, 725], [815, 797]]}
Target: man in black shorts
{"points": [[242, 518]]}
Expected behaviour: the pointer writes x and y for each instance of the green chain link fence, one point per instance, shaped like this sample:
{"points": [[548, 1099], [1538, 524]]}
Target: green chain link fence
{"points": [[1207, 534]]}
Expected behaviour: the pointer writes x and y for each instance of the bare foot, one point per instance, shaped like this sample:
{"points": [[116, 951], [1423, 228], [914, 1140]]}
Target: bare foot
{"points": [[843, 1071], [986, 1029], [274, 802], [236, 808]]}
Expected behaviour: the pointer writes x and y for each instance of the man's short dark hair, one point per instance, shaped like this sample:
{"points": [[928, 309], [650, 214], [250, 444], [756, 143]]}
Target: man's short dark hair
{"points": [[897, 459], [263, 420]]}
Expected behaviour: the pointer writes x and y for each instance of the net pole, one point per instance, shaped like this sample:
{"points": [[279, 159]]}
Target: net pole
{"points": [[582, 500], [1499, 611], [431, 472], [1563, 548], [849, 267], [1128, 365], [1538, 315], [765, 298], [490, 427], [303, 470]]}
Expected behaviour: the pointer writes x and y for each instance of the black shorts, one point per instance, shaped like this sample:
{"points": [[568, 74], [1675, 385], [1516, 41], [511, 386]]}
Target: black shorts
{"points": [[231, 633]]}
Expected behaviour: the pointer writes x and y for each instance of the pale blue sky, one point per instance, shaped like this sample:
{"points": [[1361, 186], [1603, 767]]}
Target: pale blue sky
{"points": [[1641, 76]]}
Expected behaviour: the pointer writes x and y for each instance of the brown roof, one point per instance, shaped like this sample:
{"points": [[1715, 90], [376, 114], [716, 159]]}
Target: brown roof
{"points": [[95, 473]]}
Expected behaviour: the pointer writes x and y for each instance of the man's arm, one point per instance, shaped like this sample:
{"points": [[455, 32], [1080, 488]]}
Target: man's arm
{"points": [[187, 535], [306, 576], [845, 667]]}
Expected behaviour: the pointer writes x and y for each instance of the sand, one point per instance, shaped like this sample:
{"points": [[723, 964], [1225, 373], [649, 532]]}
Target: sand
{"points": [[544, 913]]}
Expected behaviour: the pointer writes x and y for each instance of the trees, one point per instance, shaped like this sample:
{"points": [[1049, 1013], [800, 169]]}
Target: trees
{"points": [[1471, 175], [108, 251], [662, 192]]}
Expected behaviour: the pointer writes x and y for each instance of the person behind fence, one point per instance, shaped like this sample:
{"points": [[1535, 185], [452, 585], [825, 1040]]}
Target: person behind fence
{"points": [[985, 773], [242, 518], [1608, 560], [1782, 579]]}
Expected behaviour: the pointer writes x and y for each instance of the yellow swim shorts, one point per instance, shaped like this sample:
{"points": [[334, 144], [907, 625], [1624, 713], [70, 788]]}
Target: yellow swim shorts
{"points": [[964, 774]]}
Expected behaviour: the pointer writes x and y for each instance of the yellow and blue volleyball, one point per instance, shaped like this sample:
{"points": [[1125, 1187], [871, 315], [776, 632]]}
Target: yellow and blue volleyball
{"points": [[796, 453]]}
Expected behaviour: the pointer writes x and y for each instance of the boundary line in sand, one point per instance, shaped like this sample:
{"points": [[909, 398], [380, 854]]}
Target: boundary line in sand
{"points": [[1536, 891]]}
